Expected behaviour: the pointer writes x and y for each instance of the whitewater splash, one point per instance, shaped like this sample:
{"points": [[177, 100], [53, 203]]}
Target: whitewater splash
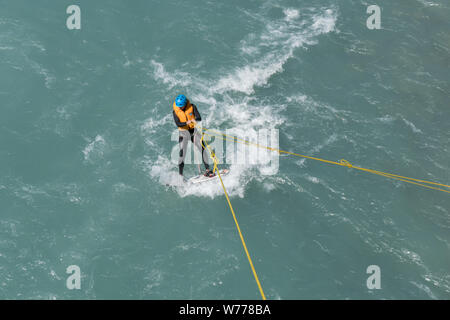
{"points": [[232, 103], [94, 149]]}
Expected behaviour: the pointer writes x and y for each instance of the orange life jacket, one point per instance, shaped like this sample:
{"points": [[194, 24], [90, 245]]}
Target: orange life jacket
{"points": [[185, 115]]}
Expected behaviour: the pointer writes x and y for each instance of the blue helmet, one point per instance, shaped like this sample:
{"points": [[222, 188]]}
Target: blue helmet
{"points": [[181, 101]]}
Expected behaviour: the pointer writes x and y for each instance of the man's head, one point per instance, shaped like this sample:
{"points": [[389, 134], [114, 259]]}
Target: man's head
{"points": [[181, 101]]}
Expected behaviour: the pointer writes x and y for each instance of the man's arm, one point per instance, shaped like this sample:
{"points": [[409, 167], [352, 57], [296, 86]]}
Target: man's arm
{"points": [[177, 121], [196, 113]]}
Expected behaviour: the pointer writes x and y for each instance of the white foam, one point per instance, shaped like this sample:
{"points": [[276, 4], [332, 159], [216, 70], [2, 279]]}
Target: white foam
{"points": [[151, 124], [95, 147], [428, 3], [325, 23], [320, 109], [247, 77], [313, 179], [282, 38], [269, 187], [331, 139], [298, 98], [39, 69], [291, 14], [171, 79], [233, 183], [412, 126], [386, 119]]}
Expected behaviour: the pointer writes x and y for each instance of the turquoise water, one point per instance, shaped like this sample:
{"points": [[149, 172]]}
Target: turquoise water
{"points": [[86, 140]]}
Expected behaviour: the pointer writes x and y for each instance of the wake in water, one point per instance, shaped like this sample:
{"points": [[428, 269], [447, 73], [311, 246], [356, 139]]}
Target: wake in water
{"points": [[233, 104]]}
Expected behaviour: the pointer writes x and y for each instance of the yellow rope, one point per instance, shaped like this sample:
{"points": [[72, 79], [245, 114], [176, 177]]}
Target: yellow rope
{"points": [[342, 162], [214, 158]]}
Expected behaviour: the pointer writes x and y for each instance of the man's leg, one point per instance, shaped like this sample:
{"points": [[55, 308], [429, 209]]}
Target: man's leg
{"points": [[197, 140], [182, 142]]}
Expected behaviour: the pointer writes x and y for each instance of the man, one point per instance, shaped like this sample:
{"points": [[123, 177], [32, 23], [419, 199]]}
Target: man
{"points": [[186, 116]]}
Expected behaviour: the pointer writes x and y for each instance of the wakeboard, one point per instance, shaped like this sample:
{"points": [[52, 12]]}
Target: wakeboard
{"points": [[202, 178]]}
